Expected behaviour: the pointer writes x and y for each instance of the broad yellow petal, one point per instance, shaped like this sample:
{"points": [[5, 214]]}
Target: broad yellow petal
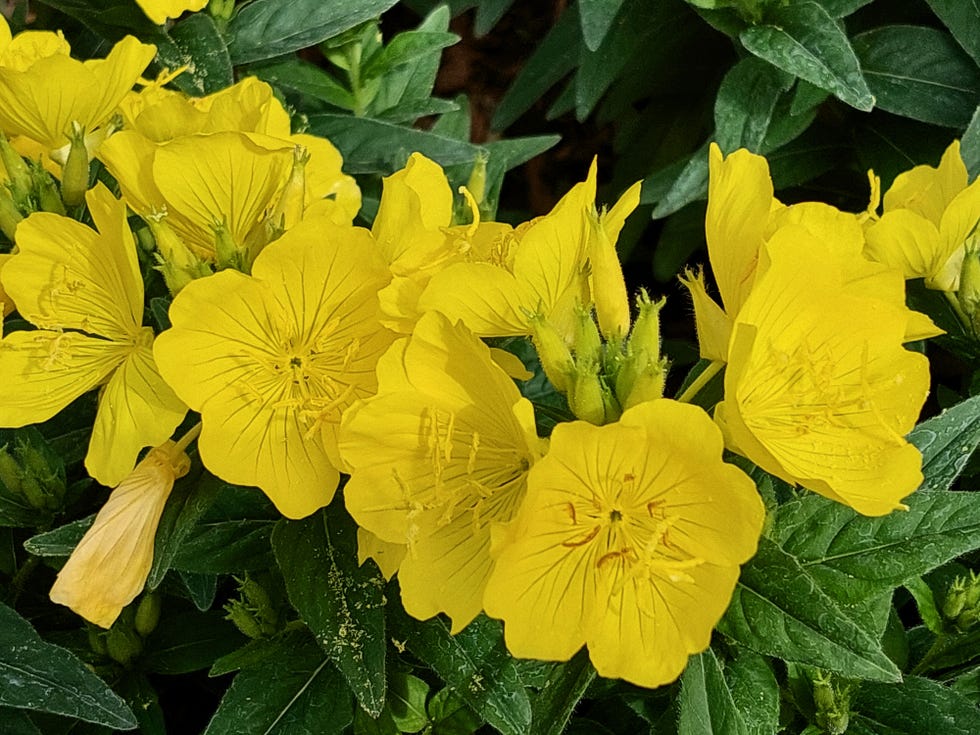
{"points": [[159, 11], [928, 190], [713, 325], [907, 241], [486, 298]]}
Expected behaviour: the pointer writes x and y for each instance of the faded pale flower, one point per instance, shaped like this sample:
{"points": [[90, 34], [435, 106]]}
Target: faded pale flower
{"points": [[438, 461], [109, 567], [629, 542], [813, 403], [84, 292], [272, 360]]}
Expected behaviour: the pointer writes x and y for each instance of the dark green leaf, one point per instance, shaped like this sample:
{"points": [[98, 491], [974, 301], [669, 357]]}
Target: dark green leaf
{"points": [[226, 547], [16, 722], [925, 601], [373, 146], [302, 77], [970, 145], [61, 541], [488, 12], [554, 703], [407, 112], [475, 663], [341, 602], [803, 39], [267, 28], [842, 8], [779, 609], [40, 676], [142, 698], [554, 58], [201, 588], [111, 19], [406, 48], [199, 46], [831, 541], [293, 691], [247, 657], [755, 692], [189, 641], [947, 441], [915, 707], [919, 72], [450, 715], [188, 502], [681, 236], [705, 702], [745, 103], [962, 18], [596, 17], [690, 185]]}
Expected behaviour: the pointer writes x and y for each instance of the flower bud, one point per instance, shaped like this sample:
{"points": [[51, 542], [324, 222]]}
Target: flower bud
{"points": [[75, 175], [46, 191], [227, 253], [10, 216], [147, 614], [648, 384], [177, 263], [122, 643], [292, 201], [969, 292], [588, 343], [589, 397], [555, 357], [646, 330], [955, 599], [607, 282], [18, 173]]}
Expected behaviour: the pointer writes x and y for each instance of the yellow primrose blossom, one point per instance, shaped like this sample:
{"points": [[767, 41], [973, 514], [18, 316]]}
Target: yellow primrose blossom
{"points": [[84, 292], [110, 565], [438, 461], [44, 92], [816, 404], [629, 541], [929, 213], [159, 11], [541, 269], [272, 360], [6, 305]]}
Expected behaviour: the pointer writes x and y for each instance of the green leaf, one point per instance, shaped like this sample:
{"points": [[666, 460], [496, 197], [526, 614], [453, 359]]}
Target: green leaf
{"points": [[690, 185], [201, 588], [556, 55], [682, 235], [292, 691], [745, 103], [111, 19], [226, 547], [475, 663], [199, 46], [488, 13], [755, 692], [187, 504], [407, 695], [373, 146], [925, 601], [780, 609], [267, 28], [40, 676], [705, 702], [970, 145], [405, 48], [962, 18], [61, 541], [16, 722], [803, 39], [947, 441], [919, 72], [915, 707], [304, 78], [142, 698], [833, 542], [450, 715], [554, 703], [596, 17], [842, 8], [341, 602], [189, 641]]}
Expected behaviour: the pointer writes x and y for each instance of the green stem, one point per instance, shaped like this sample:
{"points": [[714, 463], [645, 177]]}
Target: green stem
{"points": [[703, 378]]}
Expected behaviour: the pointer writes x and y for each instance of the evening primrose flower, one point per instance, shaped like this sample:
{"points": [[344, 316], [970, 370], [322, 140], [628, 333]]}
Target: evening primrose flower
{"points": [[629, 541], [929, 213], [109, 567], [159, 11], [272, 360], [84, 292], [438, 461], [541, 269], [815, 404]]}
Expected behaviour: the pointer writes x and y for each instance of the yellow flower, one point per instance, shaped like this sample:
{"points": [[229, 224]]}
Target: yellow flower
{"points": [[819, 390], [43, 91], [438, 461], [541, 269], [272, 360], [84, 292], [6, 305], [110, 565], [929, 214], [160, 10], [629, 541]]}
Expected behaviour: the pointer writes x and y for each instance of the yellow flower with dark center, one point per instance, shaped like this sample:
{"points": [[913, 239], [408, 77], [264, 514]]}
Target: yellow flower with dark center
{"points": [[816, 404], [629, 542], [84, 292], [438, 462], [110, 565], [272, 360]]}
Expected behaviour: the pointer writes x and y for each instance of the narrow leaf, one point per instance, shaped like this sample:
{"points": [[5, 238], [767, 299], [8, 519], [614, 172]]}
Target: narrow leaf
{"points": [[596, 16], [706, 704], [946, 442]]}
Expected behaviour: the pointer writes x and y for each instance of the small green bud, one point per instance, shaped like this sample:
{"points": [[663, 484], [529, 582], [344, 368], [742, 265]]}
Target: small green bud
{"points": [[832, 704], [645, 334], [175, 260], [18, 173], [227, 253], [253, 613], [26, 472], [555, 357], [10, 472], [955, 599], [75, 174], [46, 191], [122, 643], [589, 397], [588, 343], [10, 215], [96, 640], [243, 619], [648, 384], [221, 10], [147, 614], [968, 295]]}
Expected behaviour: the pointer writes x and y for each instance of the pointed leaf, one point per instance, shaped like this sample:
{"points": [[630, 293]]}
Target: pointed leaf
{"points": [[745, 103], [341, 602], [947, 441], [705, 702], [306, 79], [198, 45], [189, 641], [962, 17], [596, 17], [40, 676], [804, 40], [554, 703], [914, 707]]}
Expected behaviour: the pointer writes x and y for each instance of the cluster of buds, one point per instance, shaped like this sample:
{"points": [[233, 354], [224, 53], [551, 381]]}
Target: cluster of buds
{"points": [[125, 640], [26, 472], [962, 605], [968, 295], [603, 377], [254, 613], [832, 703], [28, 188]]}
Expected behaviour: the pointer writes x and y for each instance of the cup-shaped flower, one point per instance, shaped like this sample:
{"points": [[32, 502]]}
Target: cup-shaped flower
{"points": [[438, 461], [541, 269], [819, 390], [272, 360], [84, 292], [160, 10], [110, 565], [929, 214], [629, 541], [44, 96]]}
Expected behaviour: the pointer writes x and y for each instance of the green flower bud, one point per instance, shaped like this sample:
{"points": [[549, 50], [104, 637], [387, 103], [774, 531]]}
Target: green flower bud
{"points": [[555, 357], [227, 253], [645, 334], [26, 471], [10, 215], [17, 172], [75, 174], [648, 384], [588, 343], [96, 639], [589, 397], [832, 704], [46, 190], [10, 472], [122, 643], [147, 614], [244, 619], [176, 262], [955, 599]]}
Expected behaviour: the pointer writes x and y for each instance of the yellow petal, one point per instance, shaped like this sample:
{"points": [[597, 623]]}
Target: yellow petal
{"points": [[928, 190], [713, 325], [109, 567], [386, 555], [325, 182], [486, 298], [907, 241], [159, 11]]}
